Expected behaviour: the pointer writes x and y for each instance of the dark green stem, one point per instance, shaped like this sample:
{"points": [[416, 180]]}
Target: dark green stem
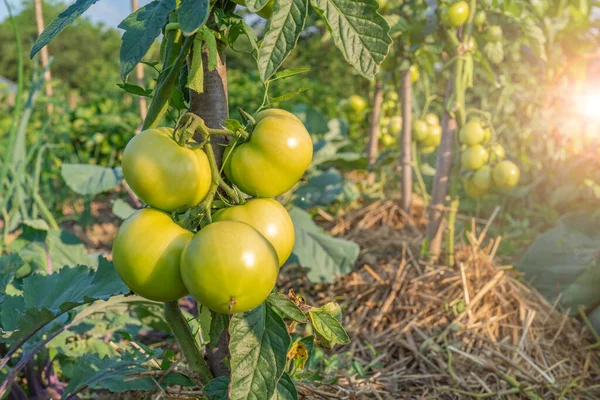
{"points": [[187, 342]]}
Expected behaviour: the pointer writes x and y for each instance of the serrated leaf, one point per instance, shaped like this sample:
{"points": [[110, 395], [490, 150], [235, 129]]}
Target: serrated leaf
{"points": [[326, 257], [122, 209], [58, 24], [258, 345], [328, 328], [192, 15], [115, 374], [135, 89], [287, 307], [321, 189], [9, 265], [286, 389], [195, 79], [141, 29], [218, 388], [90, 179], [256, 5], [358, 31], [47, 296], [285, 26], [565, 261]]}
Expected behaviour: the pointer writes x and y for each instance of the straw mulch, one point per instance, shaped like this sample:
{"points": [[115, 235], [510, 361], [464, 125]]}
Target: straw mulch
{"points": [[421, 331]]}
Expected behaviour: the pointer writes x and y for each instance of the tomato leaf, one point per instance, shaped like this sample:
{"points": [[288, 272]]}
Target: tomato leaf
{"points": [[90, 179], [287, 307], [58, 24], [286, 389], [326, 257], [285, 26], [192, 15], [327, 328], [122, 209], [358, 31], [256, 5], [258, 347], [141, 29], [218, 324], [9, 265], [321, 189], [218, 388], [287, 96], [288, 73], [135, 89]]}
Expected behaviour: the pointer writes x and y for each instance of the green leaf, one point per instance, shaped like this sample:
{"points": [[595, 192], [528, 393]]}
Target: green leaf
{"points": [[287, 307], [286, 389], [111, 373], [258, 346], [326, 256], [122, 209], [321, 189], [59, 23], [565, 261], [135, 89], [288, 73], [9, 265], [195, 79], [90, 179], [358, 31], [256, 5], [313, 119], [210, 42], [218, 324], [47, 296], [192, 14], [327, 328], [287, 96], [285, 26], [218, 388], [141, 29]]}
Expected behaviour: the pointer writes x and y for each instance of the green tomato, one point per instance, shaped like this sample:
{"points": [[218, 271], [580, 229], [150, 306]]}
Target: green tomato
{"points": [[420, 130], [392, 95], [426, 150], [434, 136], [457, 14], [432, 119], [495, 34], [482, 178], [356, 104], [147, 252], [472, 190], [472, 133], [229, 267], [480, 18], [163, 174], [275, 157], [474, 157], [268, 217], [395, 125], [414, 73], [388, 140], [498, 152], [506, 175]]}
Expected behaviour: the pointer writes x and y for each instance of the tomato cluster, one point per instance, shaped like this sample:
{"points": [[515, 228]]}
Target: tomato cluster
{"points": [[427, 133], [231, 263], [390, 123], [484, 162], [354, 107]]}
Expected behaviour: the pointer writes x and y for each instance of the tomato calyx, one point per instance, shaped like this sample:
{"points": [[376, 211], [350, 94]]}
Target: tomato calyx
{"points": [[191, 124]]}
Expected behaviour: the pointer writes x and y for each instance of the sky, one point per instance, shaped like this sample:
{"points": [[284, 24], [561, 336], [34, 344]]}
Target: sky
{"points": [[110, 12]]}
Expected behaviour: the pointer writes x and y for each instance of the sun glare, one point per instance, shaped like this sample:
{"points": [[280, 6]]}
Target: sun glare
{"points": [[590, 106]]}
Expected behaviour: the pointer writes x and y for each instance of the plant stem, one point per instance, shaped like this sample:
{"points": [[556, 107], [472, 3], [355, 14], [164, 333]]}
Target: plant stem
{"points": [[189, 345], [405, 157], [419, 175], [372, 143]]}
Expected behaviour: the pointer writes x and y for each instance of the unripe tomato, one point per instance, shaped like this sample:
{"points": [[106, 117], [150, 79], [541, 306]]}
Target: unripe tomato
{"points": [[414, 73], [268, 217], [274, 112], [432, 119], [482, 178], [434, 136], [264, 12], [356, 104], [498, 152], [456, 14], [472, 133], [472, 190], [487, 135], [506, 175], [390, 105], [420, 130], [163, 174], [426, 150], [474, 157], [388, 140], [392, 96], [229, 267], [147, 252], [495, 34], [274, 158], [395, 125], [480, 18]]}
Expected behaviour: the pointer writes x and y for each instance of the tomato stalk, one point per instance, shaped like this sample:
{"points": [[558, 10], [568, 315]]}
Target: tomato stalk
{"points": [[189, 345], [418, 174], [406, 158]]}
